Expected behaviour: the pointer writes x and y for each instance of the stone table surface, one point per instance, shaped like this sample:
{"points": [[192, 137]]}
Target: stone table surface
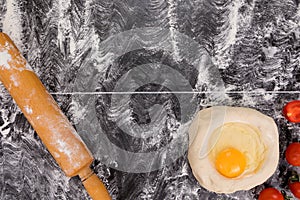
{"points": [[131, 75]]}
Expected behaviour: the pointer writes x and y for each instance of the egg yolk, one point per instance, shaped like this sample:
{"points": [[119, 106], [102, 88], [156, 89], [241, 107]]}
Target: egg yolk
{"points": [[230, 162]]}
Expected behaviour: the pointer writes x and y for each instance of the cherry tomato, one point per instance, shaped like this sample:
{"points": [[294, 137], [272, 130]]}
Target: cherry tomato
{"points": [[294, 184], [292, 154], [270, 194], [295, 189], [291, 111]]}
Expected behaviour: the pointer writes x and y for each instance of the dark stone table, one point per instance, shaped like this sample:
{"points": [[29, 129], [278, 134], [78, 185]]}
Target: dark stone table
{"points": [[130, 75]]}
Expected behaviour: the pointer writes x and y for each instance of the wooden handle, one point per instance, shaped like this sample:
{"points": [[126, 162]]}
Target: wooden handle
{"points": [[94, 186], [42, 112]]}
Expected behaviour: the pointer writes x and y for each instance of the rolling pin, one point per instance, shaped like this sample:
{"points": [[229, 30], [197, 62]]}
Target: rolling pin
{"points": [[45, 116]]}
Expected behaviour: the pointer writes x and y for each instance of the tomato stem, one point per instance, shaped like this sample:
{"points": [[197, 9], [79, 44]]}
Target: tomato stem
{"points": [[294, 177], [285, 196]]}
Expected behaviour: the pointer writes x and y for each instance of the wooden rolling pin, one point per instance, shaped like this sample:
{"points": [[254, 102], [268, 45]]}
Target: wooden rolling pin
{"points": [[45, 116]]}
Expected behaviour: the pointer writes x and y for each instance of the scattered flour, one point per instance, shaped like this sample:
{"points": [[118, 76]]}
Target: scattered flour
{"points": [[14, 80], [12, 22], [77, 110], [28, 67], [56, 155], [233, 21], [63, 147], [172, 15], [28, 110], [64, 26], [270, 51], [5, 57], [103, 61]]}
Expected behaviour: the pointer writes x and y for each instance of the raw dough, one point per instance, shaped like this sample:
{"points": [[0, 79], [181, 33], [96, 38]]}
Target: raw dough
{"points": [[202, 127]]}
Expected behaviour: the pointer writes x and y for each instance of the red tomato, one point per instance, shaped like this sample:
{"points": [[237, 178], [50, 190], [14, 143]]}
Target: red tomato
{"points": [[295, 189], [291, 111], [270, 194], [292, 154]]}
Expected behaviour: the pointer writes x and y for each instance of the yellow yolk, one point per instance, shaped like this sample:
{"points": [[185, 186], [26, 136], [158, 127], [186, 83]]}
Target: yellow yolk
{"points": [[236, 149], [230, 162]]}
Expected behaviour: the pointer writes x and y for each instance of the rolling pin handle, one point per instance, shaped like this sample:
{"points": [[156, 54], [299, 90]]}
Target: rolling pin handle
{"points": [[93, 185]]}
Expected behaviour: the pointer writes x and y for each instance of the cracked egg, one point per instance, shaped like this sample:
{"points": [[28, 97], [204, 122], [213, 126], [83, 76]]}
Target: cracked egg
{"points": [[232, 148]]}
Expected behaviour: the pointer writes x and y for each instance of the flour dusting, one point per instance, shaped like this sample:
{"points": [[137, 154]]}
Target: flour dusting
{"points": [[28, 110], [63, 147], [233, 20], [270, 51], [172, 21], [15, 80], [78, 111], [28, 67], [12, 22], [5, 57], [64, 27]]}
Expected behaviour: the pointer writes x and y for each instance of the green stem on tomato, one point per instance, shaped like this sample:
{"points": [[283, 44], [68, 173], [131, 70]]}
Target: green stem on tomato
{"points": [[294, 177], [285, 196]]}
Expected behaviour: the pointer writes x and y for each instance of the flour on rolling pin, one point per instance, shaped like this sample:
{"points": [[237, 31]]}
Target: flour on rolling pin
{"points": [[15, 80], [5, 58], [45, 116], [28, 110]]}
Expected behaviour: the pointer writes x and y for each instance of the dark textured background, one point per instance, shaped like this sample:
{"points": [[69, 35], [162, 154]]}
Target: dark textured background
{"points": [[254, 44]]}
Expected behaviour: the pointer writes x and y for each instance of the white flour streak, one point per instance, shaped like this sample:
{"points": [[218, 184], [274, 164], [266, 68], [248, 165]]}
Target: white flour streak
{"points": [[12, 22], [5, 57], [77, 110], [64, 26], [233, 21], [268, 97], [172, 21], [72, 46], [104, 61]]}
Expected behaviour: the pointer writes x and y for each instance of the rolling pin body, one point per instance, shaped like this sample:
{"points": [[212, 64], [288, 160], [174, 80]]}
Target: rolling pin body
{"points": [[45, 116]]}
